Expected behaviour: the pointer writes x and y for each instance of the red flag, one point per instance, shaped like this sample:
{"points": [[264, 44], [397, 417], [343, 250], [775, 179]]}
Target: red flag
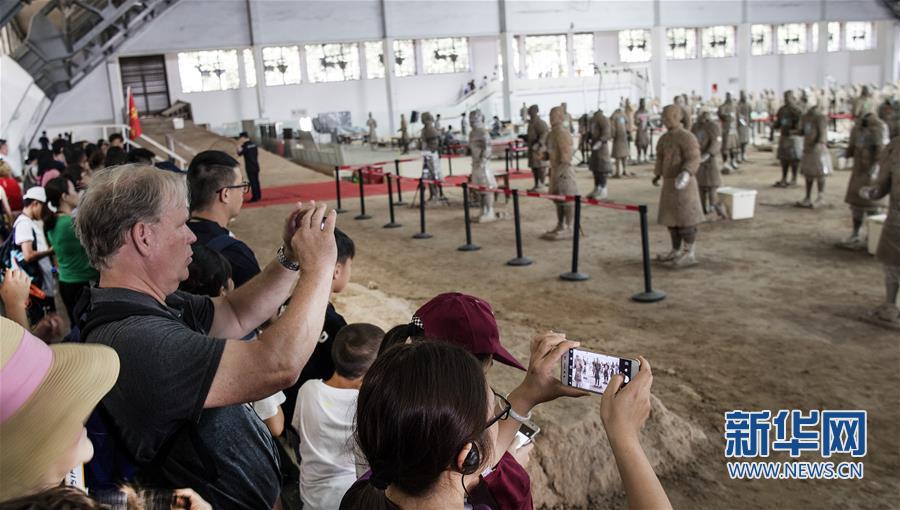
{"points": [[134, 122]]}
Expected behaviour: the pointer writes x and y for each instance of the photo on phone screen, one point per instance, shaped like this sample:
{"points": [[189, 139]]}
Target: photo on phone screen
{"points": [[592, 371]]}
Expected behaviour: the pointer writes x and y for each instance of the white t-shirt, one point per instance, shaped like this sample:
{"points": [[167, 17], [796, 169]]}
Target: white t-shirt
{"points": [[268, 407], [324, 419], [25, 229]]}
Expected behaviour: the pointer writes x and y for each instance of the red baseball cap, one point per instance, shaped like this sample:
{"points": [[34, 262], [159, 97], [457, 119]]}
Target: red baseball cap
{"points": [[465, 321]]}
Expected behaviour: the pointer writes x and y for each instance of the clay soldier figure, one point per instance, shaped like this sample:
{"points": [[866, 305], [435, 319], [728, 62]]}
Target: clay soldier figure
{"points": [[373, 136], [482, 175], [431, 157], [685, 112], [537, 147], [677, 162], [642, 125], [464, 125], [567, 123], [584, 137], [523, 113], [560, 148], [629, 123], [404, 134], [599, 162], [790, 144], [743, 125], [619, 126], [889, 114], [888, 253], [709, 177], [866, 143], [863, 104], [816, 162], [771, 109], [728, 116]]}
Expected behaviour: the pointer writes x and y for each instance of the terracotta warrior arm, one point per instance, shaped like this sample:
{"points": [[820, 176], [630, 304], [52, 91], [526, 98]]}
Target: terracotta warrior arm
{"points": [[690, 155], [890, 158]]}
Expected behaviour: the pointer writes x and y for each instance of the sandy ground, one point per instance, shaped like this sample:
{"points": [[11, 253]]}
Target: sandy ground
{"points": [[767, 320]]}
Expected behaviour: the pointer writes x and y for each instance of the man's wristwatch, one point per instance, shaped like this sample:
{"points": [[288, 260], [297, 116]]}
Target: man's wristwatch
{"points": [[283, 260]]}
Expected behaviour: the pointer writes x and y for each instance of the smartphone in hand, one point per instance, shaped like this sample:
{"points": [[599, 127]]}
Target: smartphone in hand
{"points": [[526, 434], [592, 371]]}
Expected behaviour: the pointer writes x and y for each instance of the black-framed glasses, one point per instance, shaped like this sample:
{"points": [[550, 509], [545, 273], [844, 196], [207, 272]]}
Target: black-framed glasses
{"points": [[244, 187], [503, 406]]}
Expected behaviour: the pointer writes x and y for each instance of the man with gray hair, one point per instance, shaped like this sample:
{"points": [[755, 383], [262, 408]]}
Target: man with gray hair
{"points": [[178, 402]]}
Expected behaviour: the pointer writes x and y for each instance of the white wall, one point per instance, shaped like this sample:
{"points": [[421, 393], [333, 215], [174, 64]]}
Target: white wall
{"points": [[208, 24]]}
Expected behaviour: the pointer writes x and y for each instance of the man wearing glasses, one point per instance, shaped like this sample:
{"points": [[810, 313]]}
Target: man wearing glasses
{"points": [[217, 190]]}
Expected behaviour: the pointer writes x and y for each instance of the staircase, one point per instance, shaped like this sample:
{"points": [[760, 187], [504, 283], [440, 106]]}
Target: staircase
{"points": [[67, 39]]}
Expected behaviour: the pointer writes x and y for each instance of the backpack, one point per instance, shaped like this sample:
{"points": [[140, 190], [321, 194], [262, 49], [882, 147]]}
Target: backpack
{"points": [[112, 465], [10, 251]]}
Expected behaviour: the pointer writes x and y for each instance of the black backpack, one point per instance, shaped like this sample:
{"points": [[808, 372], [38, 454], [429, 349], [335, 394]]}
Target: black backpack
{"points": [[112, 464], [10, 251]]}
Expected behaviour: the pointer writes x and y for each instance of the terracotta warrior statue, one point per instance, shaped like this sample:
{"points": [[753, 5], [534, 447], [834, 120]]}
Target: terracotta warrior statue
{"points": [[404, 134], [482, 175], [728, 116], [709, 176], [816, 162], [642, 124], [685, 112], [373, 136], [677, 162], [431, 157], [867, 139], [790, 144], [744, 109], [561, 148], [889, 113], [599, 162], [618, 124], [888, 183], [864, 103], [537, 143]]}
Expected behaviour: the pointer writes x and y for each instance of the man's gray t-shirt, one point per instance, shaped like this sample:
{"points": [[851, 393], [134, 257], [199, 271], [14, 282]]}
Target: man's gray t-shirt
{"points": [[167, 369]]}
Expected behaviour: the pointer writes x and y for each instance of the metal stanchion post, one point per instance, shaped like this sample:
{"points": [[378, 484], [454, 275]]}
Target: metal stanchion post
{"points": [[520, 259], [468, 246], [651, 142], [392, 223], [337, 186], [399, 182], [422, 234], [449, 163], [574, 275], [518, 168], [362, 199], [649, 295], [506, 159]]}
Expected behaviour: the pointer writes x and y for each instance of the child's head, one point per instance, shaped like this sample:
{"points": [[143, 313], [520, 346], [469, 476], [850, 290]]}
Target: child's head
{"points": [[346, 250], [209, 273], [355, 348]]}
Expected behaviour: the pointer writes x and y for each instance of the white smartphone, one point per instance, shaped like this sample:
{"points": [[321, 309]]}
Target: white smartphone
{"points": [[592, 371], [526, 434]]}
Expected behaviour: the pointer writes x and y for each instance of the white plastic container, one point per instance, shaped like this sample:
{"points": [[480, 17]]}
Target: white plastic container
{"points": [[740, 203], [177, 123], [874, 225]]}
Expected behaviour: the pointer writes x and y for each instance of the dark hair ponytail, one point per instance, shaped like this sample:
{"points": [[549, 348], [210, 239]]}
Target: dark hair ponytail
{"points": [[399, 335], [55, 189], [417, 397]]}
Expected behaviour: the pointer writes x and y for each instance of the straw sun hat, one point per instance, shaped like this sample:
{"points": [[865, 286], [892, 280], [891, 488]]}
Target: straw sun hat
{"points": [[46, 395]]}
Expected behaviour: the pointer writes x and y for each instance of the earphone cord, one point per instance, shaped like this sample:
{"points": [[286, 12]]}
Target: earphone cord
{"points": [[463, 481]]}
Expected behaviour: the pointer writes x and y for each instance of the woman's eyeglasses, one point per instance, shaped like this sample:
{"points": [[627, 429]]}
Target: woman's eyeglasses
{"points": [[503, 406], [244, 187]]}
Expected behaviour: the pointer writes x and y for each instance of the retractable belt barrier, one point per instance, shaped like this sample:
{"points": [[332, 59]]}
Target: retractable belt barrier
{"points": [[649, 295]]}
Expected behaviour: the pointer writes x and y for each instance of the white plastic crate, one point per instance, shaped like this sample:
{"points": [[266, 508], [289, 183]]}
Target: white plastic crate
{"points": [[740, 203], [874, 225]]}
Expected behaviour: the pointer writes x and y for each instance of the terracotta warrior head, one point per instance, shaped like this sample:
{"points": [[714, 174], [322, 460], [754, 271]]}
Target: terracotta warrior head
{"points": [[557, 115], [427, 119], [476, 118], [789, 97], [671, 116], [743, 96], [533, 111]]}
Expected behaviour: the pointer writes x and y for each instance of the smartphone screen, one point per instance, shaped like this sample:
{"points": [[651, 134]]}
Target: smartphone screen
{"points": [[592, 371]]}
